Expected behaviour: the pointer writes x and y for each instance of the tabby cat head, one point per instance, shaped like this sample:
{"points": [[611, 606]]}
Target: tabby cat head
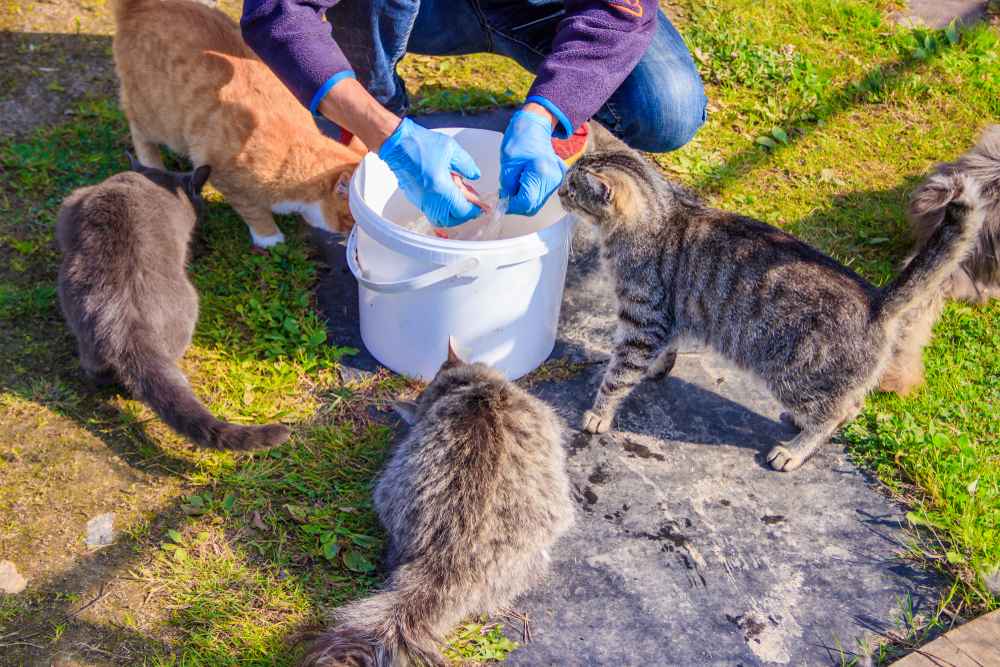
{"points": [[606, 188]]}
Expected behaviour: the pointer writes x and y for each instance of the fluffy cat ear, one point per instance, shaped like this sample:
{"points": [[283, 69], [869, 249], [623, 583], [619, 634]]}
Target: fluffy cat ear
{"points": [[133, 164], [453, 358], [602, 192], [197, 180], [407, 411]]}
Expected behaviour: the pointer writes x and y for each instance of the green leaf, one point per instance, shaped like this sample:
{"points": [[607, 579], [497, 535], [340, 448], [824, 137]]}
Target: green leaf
{"points": [[878, 240], [363, 540], [954, 557], [317, 337], [291, 325], [297, 512], [951, 32], [767, 142], [180, 555], [331, 549], [779, 134], [229, 502], [175, 536], [357, 562]]}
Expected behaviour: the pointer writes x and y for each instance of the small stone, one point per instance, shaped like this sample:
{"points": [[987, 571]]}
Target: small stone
{"points": [[100, 530], [11, 581], [258, 523]]}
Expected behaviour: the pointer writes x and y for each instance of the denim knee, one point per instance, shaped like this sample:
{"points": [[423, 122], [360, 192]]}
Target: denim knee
{"points": [[672, 111]]}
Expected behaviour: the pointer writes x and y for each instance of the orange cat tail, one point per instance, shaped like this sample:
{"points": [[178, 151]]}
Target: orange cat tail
{"points": [[121, 8]]}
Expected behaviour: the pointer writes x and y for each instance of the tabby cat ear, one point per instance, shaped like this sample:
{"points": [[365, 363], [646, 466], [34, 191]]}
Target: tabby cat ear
{"points": [[198, 179], [407, 411], [602, 192]]}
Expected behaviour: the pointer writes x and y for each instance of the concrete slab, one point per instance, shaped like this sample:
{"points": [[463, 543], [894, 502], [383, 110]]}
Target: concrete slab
{"points": [[688, 549], [975, 644]]}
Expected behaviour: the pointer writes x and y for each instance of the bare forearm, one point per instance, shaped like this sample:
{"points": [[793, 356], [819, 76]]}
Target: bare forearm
{"points": [[349, 105]]}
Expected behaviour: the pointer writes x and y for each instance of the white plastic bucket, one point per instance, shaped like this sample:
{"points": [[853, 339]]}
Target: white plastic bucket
{"points": [[500, 299]]}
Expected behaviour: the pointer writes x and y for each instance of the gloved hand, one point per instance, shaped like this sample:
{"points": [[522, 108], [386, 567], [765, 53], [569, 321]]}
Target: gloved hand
{"points": [[422, 161], [530, 170]]}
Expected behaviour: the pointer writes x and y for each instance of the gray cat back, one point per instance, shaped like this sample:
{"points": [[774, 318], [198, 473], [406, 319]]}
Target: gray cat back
{"points": [[472, 499], [817, 333], [124, 292]]}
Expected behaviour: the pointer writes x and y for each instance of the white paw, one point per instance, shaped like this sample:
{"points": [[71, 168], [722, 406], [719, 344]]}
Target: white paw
{"points": [[783, 460], [593, 423], [266, 241]]}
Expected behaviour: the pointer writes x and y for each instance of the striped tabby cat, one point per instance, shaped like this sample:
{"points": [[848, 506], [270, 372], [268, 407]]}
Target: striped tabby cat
{"points": [[817, 333]]}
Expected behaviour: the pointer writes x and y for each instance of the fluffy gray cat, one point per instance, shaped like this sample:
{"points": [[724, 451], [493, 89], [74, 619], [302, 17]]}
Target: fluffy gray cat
{"points": [[126, 296], [817, 333], [472, 499], [976, 280]]}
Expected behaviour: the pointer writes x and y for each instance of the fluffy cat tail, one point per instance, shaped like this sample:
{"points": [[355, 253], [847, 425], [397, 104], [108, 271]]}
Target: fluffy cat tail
{"points": [[379, 631], [953, 239], [157, 381]]}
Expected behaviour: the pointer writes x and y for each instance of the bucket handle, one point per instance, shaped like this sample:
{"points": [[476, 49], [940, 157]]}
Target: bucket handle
{"points": [[410, 284]]}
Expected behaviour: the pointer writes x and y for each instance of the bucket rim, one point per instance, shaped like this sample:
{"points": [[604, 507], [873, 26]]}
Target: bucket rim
{"points": [[500, 251]]}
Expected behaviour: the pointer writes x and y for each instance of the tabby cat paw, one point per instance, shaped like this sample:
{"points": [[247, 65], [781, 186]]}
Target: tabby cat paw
{"points": [[782, 459], [594, 423]]}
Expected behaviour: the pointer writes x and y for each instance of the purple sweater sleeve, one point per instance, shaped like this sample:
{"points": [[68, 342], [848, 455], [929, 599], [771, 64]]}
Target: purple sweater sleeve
{"points": [[597, 45], [292, 38]]}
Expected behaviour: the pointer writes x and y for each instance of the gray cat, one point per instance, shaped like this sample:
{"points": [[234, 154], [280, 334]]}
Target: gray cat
{"points": [[126, 296], [818, 334], [975, 280], [472, 499]]}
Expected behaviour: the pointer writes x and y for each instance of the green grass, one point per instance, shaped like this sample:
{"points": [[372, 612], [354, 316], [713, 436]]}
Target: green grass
{"points": [[824, 115]]}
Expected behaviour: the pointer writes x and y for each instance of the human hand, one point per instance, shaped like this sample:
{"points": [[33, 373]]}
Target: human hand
{"points": [[530, 170], [423, 161]]}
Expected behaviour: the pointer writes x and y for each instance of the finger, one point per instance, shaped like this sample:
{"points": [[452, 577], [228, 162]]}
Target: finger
{"points": [[529, 191], [463, 163], [509, 177], [456, 208]]}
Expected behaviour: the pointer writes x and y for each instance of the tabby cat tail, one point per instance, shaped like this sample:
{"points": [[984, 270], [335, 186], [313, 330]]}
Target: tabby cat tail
{"points": [[946, 248]]}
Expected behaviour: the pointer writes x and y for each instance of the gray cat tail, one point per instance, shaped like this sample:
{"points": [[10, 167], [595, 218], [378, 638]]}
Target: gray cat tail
{"points": [[954, 238], [378, 631], [160, 384]]}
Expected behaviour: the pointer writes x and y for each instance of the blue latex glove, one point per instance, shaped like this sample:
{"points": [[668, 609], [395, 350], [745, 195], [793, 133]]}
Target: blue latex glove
{"points": [[423, 161], [530, 170]]}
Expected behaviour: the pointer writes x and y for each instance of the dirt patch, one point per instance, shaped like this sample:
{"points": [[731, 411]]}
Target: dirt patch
{"points": [[54, 54]]}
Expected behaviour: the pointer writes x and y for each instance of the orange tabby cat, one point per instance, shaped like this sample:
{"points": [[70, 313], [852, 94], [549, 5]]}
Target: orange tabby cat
{"points": [[190, 82]]}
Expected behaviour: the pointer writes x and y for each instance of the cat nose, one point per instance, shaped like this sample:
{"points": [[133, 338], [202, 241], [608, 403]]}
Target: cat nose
{"points": [[563, 189]]}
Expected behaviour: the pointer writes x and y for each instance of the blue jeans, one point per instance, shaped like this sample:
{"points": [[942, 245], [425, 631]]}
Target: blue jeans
{"points": [[658, 107]]}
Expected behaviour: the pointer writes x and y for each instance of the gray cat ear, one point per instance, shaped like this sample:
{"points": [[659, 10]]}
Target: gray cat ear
{"points": [[133, 164], [453, 358], [199, 178], [407, 411], [600, 189]]}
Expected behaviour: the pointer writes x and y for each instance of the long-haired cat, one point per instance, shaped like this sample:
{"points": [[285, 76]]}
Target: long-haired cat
{"points": [[817, 333], [472, 499], [190, 82], [126, 296], [976, 280]]}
